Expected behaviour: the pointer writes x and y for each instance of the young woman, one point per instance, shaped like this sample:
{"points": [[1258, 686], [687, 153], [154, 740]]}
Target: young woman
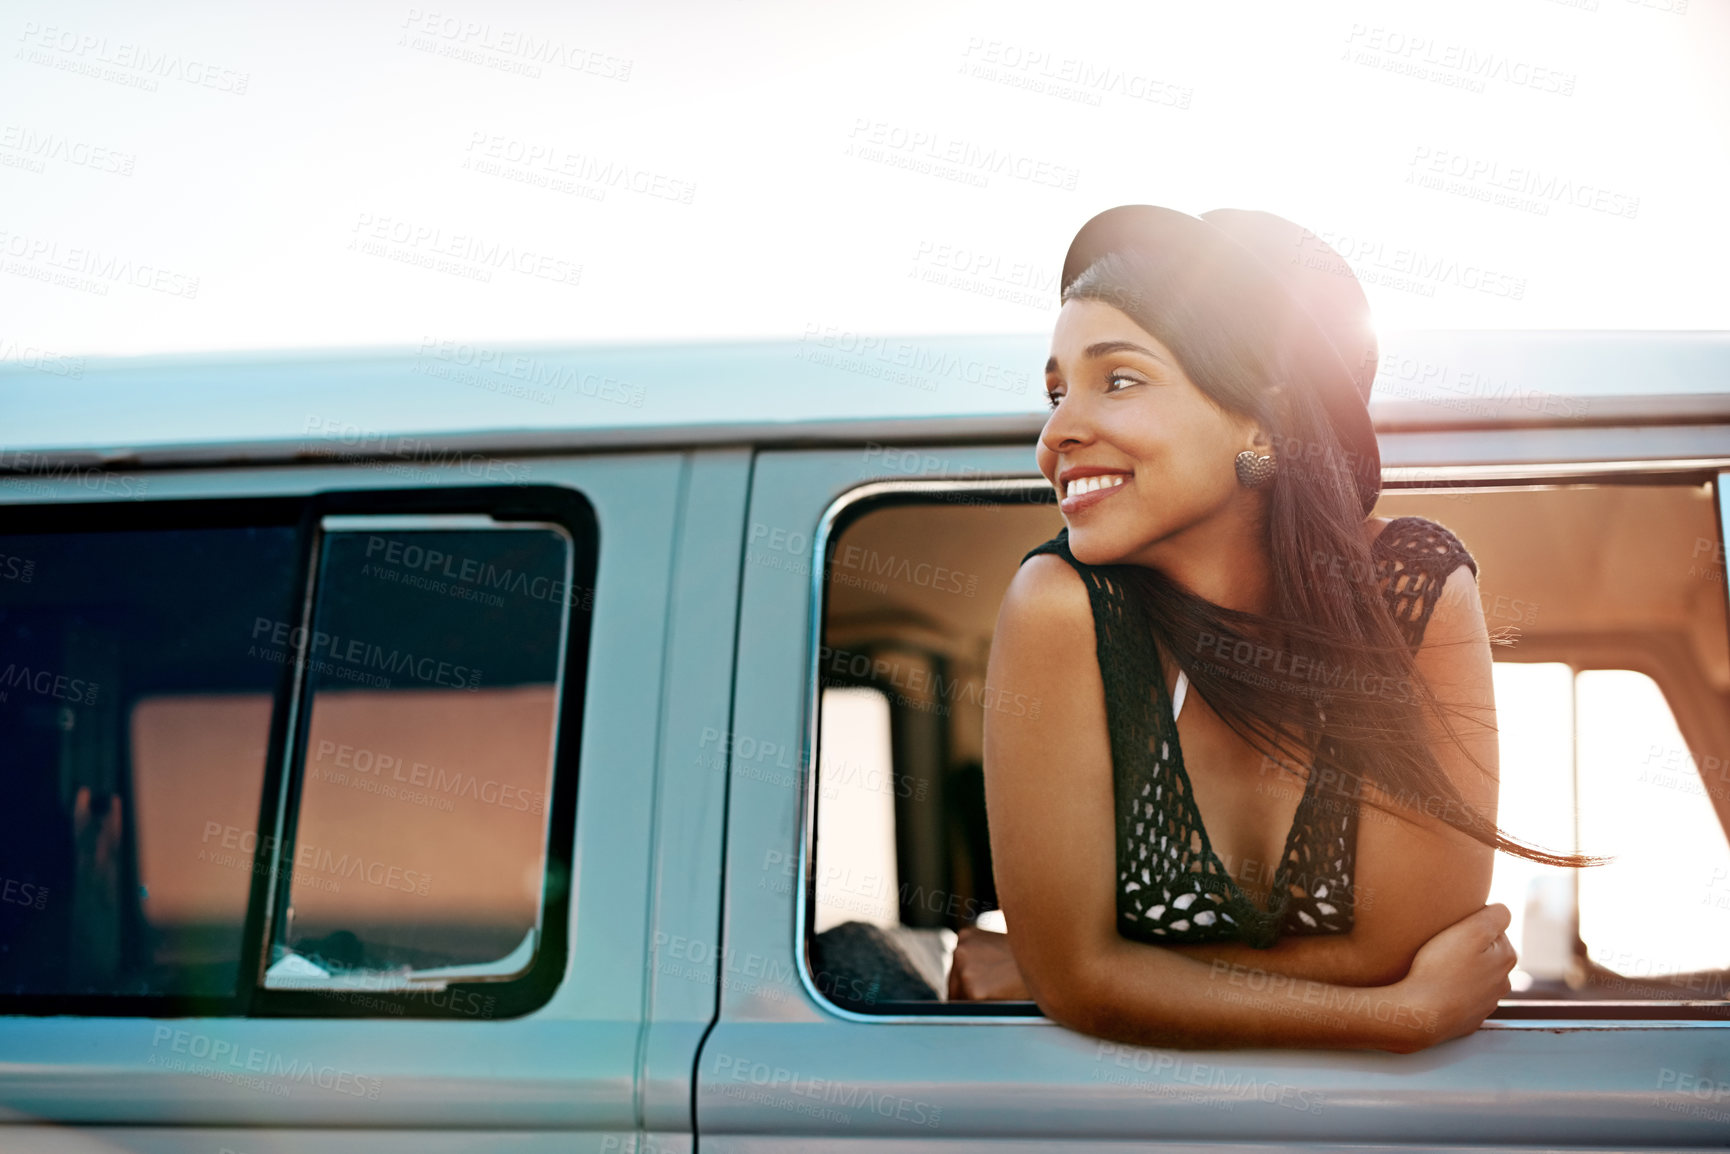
{"points": [[1293, 846]]}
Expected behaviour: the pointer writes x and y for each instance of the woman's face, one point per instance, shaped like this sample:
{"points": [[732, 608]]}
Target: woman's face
{"points": [[1128, 420]]}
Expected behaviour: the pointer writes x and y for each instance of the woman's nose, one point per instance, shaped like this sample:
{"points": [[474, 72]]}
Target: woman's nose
{"points": [[1067, 428]]}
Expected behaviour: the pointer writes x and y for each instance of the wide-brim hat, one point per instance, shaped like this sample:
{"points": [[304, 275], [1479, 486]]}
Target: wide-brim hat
{"points": [[1328, 313]]}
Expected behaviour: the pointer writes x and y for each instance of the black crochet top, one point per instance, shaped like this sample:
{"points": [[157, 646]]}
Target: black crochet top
{"points": [[1171, 886]]}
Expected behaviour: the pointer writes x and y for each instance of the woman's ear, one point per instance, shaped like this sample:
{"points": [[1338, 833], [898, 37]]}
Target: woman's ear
{"points": [[1258, 435]]}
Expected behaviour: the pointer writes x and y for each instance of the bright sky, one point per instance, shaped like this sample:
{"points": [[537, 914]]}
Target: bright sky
{"points": [[180, 177]]}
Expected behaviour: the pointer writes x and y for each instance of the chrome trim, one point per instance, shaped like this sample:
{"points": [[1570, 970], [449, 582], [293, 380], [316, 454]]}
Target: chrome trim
{"points": [[393, 522], [278, 881], [1407, 475], [870, 490]]}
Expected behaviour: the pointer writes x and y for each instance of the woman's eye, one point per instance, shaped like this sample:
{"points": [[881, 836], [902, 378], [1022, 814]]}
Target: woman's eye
{"points": [[1052, 397]]}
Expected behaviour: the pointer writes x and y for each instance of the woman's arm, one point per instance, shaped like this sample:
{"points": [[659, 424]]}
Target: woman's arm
{"points": [[1049, 798]]}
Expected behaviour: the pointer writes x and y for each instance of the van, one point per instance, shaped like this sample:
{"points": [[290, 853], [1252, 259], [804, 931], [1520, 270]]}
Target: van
{"points": [[535, 749]]}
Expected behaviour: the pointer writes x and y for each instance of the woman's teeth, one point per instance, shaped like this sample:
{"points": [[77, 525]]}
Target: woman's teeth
{"points": [[1088, 484]]}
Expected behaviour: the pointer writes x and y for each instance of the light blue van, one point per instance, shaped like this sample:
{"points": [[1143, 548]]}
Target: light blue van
{"points": [[486, 749]]}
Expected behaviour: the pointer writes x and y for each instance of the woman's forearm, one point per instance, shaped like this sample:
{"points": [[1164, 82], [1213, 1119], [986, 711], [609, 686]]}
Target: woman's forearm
{"points": [[1158, 997], [1342, 959]]}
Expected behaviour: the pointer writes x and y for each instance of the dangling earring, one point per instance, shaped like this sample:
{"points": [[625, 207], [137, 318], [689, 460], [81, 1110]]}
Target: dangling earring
{"points": [[1253, 470]]}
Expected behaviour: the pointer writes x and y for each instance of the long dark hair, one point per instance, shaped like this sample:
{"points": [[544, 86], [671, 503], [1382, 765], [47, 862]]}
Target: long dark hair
{"points": [[1330, 684]]}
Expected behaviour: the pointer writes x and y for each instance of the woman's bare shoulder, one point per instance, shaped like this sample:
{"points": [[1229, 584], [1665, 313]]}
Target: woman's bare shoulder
{"points": [[1046, 591], [1045, 624]]}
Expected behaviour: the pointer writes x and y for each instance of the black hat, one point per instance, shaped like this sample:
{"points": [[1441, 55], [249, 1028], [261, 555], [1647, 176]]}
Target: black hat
{"points": [[1284, 262]]}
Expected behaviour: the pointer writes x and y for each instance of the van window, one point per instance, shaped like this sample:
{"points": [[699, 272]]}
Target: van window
{"points": [[1659, 940], [260, 767], [1646, 925], [419, 843], [134, 726], [1576, 725]]}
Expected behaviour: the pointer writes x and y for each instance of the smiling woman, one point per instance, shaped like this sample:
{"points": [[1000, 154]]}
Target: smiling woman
{"points": [[1211, 448]]}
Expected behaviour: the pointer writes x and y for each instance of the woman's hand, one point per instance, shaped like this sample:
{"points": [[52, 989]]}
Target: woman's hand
{"points": [[1456, 980], [983, 969]]}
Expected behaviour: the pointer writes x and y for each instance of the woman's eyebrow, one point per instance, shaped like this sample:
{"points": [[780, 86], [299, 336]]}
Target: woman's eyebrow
{"points": [[1105, 348]]}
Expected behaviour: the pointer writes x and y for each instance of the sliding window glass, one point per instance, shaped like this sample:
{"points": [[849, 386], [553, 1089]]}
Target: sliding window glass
{"points": [[417, 850]]}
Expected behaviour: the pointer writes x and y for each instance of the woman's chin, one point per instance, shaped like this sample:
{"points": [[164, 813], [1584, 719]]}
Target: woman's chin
{"points": [[1094, 547]]}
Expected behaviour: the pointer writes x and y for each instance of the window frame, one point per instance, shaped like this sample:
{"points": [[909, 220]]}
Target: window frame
{"points": [[567, 509], [863, 499]]}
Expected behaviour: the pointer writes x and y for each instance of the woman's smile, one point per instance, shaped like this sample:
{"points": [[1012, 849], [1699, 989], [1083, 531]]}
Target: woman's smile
{"points": [[1087, 486]]}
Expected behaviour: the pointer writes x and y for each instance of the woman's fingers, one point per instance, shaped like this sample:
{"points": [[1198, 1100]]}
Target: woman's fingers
{"points": [[958, 967], [1464, 971], [964, 965], [983, 968], [1492, 921], [1500, 947], [1498, 915]]}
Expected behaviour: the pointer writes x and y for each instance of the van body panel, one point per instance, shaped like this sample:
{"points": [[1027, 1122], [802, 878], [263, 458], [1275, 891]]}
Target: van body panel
{"points": [[696, 702], [941, 1081]]}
